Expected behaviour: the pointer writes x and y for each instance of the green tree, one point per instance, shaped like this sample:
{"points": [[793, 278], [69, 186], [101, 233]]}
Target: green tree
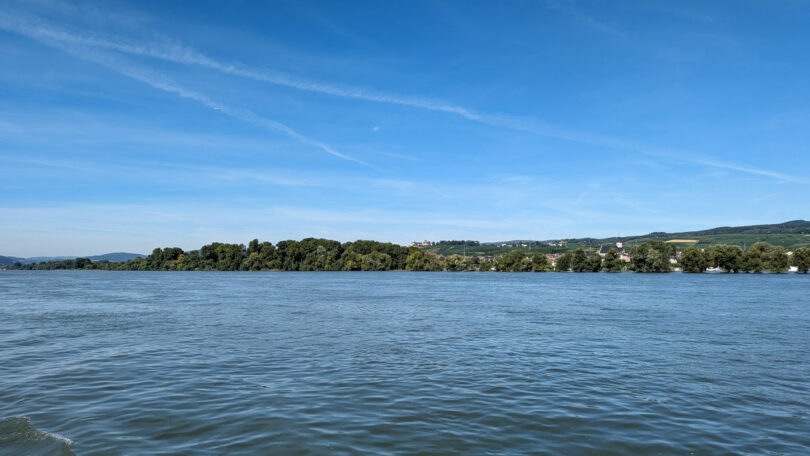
{"points": [[540, 263], [457, 263], [422, 260], [399, 254], [375, 261], [170, 256], [728, 257], [694, 260], [594, 263], [755, 259], [180, 264], [778, 260], [253, 246], [191, 261], [319, 255], [801, 259], [652, 256], [351, 261], [579, 261], [155, 259], [514, 261], [229, 256], [267, 256], [288, 255], [612, 262], [753, 262], [252, 262], [563, 263]]}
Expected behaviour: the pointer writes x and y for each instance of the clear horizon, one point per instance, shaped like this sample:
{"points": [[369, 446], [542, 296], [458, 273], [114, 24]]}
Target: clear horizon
{"points": [[128, 126]]}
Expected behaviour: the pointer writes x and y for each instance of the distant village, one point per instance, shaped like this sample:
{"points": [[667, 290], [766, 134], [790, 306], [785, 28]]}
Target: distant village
{"points": [[622, 251], [603, 250]]}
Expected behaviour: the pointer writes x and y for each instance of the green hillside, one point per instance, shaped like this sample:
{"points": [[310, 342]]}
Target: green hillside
{"points": [[790, 235]]}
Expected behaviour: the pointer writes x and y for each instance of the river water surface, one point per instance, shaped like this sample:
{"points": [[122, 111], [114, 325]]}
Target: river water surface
{"points": [[95, 362]]}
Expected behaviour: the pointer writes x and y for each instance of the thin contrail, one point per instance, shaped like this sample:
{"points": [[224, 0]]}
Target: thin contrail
{"points": [[77, 48], [749, 170], [176, 53]]}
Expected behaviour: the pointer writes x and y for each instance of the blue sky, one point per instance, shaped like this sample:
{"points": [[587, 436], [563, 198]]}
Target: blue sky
{"points": [[125, 126]]}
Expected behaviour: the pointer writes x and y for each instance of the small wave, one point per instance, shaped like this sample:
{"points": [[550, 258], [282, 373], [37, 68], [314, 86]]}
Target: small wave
{"points": [[18, 436]]}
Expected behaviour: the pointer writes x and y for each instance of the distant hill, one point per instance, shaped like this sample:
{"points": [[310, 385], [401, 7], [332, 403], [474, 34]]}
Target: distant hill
{"points": [[116, 256], [755, 233], [792, 227], [46, 258], [790, 235], [5, 260]]}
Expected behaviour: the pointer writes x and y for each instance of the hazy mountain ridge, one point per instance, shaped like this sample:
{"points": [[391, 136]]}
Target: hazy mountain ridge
{"points": [[114, 256]]}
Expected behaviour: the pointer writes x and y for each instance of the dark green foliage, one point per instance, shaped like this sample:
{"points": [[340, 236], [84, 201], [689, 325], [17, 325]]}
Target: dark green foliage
{"points": [[728, 257], [612, 261], [468, 243], [312, 254], [801, 259], [778, 260], [165, 259], [756, 258], [422, 260], [759, 257], [260, 257], [652, 256], [485, 265], [594, 263], [459, 263], [398, 253], [753, 262], [309, 254], [514, 261], [540, 263], [253, 247], [563, 263], [695, 260], [375, 261], [579, 261]]}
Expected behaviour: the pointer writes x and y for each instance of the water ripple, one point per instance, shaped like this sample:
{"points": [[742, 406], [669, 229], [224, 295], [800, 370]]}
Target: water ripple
{"points": [[403, 363]]}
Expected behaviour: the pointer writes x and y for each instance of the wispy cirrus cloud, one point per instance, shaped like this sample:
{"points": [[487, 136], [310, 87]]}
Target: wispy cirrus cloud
{"points": [[174, 52], [177, 53], [84, 49], [751, 170]]}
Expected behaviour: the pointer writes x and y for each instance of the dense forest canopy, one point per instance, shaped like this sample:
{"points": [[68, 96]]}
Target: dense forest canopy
{"points": [[312, 254]]}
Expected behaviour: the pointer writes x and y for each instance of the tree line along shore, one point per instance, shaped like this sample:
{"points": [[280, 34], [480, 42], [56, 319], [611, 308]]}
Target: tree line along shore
{"points": [[313, 254]]}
